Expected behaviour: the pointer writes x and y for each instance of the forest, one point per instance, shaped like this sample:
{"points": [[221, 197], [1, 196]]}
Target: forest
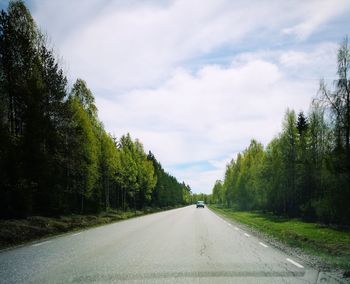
{"points": [[55, 155], [305, 170]]}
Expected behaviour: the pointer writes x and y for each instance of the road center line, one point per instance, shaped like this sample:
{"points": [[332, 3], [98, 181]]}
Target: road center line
{"points": [[247, 235], [39, 244], [295, 263], [265, 246], [76, 234]]}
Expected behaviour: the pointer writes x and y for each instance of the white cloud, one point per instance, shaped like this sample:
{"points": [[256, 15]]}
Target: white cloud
{"points": [[310, 62], [135, 56], [121, 45], [210, 114], [316, 13]]}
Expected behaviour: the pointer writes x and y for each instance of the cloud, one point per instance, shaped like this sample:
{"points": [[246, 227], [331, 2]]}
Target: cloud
{"points": [[193, 118], [302, 62], [316, 13], [196, 80], [317, 62], [122, 45]]}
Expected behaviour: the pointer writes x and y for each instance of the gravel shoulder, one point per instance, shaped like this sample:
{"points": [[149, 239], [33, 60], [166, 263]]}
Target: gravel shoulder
{"points": [[334, 274]]}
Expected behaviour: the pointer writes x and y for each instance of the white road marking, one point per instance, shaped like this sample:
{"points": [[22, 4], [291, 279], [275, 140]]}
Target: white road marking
{"points": [[265, 246], [39, 244], [76, 234], [295, 263], [236, 228], [247, 235], [229, 224]]}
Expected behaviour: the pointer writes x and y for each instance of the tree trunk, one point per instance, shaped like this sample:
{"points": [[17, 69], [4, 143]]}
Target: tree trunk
{"points": [[107, 194], [82, 203]]}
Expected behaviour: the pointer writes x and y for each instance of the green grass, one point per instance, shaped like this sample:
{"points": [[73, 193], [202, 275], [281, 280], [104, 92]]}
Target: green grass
{"points": [[18, 231], [330, 245]]}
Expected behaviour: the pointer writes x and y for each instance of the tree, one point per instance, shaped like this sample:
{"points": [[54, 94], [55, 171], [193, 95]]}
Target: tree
{"points": [[145, 176], [33, 89], [229, 183], [337, 104], [271, 177], [218, 194], [305, 170], [304, 177], [167, 190], [83, 94], [18, 38], [55, 155], [288, 138], [110, 165], [17, 45], [83, 157]]}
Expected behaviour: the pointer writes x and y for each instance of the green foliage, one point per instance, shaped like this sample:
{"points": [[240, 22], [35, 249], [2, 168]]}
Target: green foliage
{"points": [[55, 155], [241, 186], [136, 174], [168, 191], [82, 93], [305, 170], [32, 97], [109, 166], [83, 156], [201, 197], [332, 245], [218, 192]]}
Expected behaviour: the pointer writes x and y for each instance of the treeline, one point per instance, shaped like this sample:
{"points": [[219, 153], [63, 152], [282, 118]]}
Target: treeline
{"points": [[201, 197], [168, 191], [305, 170], [55, 155]]}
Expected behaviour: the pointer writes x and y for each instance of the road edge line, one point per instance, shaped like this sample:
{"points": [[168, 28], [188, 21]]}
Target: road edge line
{"points": [[294, 262]]}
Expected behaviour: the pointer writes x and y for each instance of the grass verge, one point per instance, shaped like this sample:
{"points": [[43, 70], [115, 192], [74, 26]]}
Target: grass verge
{"points": [[18, 231], [331, 246]]}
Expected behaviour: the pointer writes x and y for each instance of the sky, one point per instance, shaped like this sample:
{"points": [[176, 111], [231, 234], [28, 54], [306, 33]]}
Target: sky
{"points": [[196, 80]]}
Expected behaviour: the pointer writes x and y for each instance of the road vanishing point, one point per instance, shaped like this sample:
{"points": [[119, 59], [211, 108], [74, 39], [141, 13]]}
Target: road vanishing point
{"points": [[184, 245]]}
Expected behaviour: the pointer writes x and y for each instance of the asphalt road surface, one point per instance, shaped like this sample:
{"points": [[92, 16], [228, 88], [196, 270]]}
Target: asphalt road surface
{"points": [[185, 245]]}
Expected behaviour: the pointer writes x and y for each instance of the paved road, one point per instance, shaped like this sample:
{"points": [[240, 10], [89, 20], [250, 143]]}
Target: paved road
{"points": [[185, 245]]}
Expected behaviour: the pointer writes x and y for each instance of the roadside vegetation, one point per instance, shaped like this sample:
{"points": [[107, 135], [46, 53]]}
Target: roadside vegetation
{"points": [[19, 231], [304, 172], [56, 157], [330, 245], [301, 179]]}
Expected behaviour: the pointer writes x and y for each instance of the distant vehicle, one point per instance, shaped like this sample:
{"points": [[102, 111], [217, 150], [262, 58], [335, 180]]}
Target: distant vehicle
{"points": [[200, 204]]}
